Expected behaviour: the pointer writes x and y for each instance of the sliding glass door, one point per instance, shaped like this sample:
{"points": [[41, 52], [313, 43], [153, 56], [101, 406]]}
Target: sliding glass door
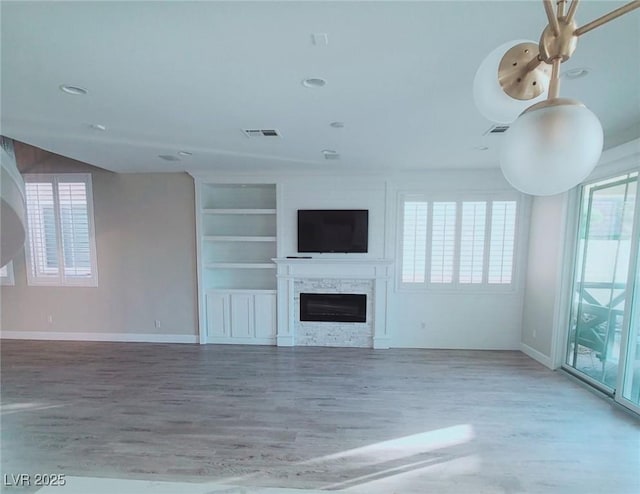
{"points": [[601, 328], [631, 378]]}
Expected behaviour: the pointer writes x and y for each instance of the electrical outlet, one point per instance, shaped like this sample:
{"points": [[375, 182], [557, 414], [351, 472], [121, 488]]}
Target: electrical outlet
{"points": [[534, 333], [157, 324], [423, 325], [50, 319]]}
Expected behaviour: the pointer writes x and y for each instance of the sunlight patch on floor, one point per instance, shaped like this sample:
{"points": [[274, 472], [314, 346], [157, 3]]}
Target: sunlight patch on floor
{"points": [[25, 407], [407, 446], [449, 472], [84, 485]]}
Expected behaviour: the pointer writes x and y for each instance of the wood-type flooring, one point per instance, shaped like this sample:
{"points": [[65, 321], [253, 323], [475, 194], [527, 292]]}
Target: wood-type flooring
{"points": [[353, 420]]}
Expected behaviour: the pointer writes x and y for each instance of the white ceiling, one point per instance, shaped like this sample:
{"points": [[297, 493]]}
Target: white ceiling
{"points": [[170, 76]]}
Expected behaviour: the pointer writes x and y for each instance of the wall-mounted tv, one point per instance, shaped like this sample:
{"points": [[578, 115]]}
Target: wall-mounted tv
{"points": [[333, 230]]}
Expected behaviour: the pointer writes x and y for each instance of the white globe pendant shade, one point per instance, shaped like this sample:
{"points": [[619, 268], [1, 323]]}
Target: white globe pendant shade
{"points": [[551, 149], [491, 100]]}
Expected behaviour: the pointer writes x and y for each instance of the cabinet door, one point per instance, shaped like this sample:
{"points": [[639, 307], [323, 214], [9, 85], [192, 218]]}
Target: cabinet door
{"points": [[265, 315], [242, 315], [217, 315]]}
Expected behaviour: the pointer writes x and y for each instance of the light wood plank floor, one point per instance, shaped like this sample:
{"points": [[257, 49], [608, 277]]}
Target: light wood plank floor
{"points": [[357, 420]]}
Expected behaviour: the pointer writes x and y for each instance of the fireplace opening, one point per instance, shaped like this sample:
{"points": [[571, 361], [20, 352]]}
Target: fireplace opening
{"points": [[334, 307]]}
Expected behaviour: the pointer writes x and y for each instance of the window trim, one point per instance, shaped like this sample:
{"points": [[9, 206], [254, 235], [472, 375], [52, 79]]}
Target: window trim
{"points": [[61, 280], [522, 208]]}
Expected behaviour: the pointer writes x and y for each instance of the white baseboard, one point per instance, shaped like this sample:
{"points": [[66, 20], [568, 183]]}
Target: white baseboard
{"points": [[284, 341], [536, 355], [381, 343], [242, 341], [116, 337]]}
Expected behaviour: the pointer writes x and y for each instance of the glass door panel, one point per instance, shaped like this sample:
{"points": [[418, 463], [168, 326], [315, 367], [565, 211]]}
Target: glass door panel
{"points": [[631, 381], [600, 280]]}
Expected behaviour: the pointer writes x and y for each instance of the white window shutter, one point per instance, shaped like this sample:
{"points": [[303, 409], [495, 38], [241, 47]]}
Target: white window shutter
{"points": [[472, 231], [502, 244], [43, 243], [74, 229], [443, 241], [414, 242]]}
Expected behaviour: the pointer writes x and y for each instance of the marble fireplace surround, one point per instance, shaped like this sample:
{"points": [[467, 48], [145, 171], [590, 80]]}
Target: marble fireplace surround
{"points": [[333, 275]]}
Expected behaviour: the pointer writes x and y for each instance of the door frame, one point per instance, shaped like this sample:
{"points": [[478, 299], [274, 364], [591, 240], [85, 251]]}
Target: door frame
{"points": [[616, 161]]}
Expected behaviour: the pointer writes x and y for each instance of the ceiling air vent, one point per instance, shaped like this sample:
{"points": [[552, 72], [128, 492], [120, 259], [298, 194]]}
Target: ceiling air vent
{"points": [[261, 133], [497, 129]]}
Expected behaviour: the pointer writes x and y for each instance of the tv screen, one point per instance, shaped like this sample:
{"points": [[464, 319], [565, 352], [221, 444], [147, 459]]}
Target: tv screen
{"points": [[333, 230]]}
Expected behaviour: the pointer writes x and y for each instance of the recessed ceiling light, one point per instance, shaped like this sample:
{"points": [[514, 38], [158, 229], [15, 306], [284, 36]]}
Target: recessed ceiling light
{"points": [[185, 153], [72, 89], [330, 154], [337, 125], [98, 127], [320, 39], [314, 82], [576, 73]]}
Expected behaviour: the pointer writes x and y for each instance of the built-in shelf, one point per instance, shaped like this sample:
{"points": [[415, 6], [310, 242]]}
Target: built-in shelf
{"points": [[238, 211], [240, 265], [236, 277], [238, 238]]}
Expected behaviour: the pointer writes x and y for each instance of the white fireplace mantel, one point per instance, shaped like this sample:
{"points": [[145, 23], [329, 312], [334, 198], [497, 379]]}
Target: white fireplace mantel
{"points": [[290, 270]]}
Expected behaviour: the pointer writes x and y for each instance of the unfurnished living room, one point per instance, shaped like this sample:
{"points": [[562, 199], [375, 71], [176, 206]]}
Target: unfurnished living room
{"points": [[305, 246]]}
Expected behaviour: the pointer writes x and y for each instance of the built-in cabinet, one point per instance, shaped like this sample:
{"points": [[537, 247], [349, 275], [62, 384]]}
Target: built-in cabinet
{"points": [[241, 316], [237, 279]]}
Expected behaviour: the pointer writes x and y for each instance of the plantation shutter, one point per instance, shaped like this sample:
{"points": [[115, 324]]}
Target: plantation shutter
{"points": [[472, 240], [502, 244], [74, 226], [414, 242], [43, 250], [61, 248], [443, 240]]}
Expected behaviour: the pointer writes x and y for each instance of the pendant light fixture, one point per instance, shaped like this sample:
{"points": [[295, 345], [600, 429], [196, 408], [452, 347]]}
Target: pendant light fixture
{"points": [[555, 143]]}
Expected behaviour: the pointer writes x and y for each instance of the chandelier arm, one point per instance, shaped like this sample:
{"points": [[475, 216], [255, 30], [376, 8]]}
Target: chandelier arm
{"points": [[561, 6], [533, 64], [554, 82], [572, 10], [551, 15], [607, 17]]}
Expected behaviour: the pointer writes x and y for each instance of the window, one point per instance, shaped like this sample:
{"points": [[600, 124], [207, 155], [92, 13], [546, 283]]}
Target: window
{"points": [[457, 243], [61, 245], [6, 274]]}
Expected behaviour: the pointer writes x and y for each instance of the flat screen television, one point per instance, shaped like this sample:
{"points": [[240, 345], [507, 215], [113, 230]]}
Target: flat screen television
{"points": [[333, 230]]}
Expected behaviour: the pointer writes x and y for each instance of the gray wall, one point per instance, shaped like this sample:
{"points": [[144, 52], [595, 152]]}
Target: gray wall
{"points": [[145, 242], [551, 249], [546, 246]]}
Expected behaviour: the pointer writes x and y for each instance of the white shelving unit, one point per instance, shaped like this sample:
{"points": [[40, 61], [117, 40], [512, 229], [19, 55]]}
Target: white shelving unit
{"points": [[237, 279]]}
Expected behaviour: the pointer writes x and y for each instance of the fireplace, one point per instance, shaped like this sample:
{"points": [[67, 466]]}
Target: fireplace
{"points": [[367, 279], [333, 307]]}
